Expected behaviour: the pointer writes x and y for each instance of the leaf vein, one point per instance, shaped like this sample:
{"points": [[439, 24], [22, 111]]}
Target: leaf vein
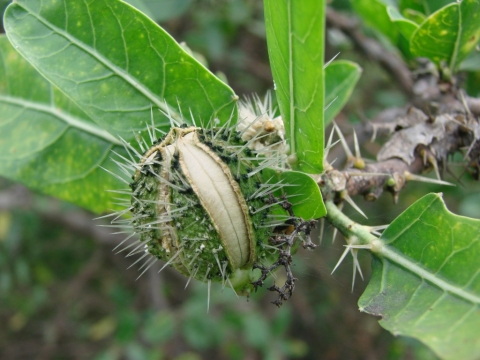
{"points": [[106, 62], [67, 118]]}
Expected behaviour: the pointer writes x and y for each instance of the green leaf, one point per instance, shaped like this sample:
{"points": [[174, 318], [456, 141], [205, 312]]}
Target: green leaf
{"points": [[426, 279], [426, 7], [471, 63], [415, 16], [375, 14], [472, 85], [472, 66], [295, 38], [405, 26], [306, 197], [340, 79], [115, 63], [301, 190], [47, 142], [449, 34]]}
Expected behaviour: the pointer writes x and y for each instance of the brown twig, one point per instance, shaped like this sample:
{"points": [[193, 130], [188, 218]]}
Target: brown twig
{"points": [[419, 143]]}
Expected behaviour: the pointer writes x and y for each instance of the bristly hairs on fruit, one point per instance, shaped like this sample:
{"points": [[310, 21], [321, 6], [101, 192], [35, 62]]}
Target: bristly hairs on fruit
{"points": [[199, 201]]}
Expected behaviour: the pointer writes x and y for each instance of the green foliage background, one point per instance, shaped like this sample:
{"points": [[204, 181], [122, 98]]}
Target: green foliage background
{"points": [[64, 294]]}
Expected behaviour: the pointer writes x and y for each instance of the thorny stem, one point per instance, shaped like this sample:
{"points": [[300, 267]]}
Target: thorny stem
{"points": [[430, 95], [410, 152], [349, 228], [360, 235], [455, 129], [286, 242]]}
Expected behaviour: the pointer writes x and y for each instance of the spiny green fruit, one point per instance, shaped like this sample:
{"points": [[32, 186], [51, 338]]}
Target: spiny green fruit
{"points": [[199, 202]]}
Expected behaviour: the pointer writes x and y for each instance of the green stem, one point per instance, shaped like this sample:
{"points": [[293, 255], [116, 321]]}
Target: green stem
{"points": [[348, 227], [356, 234]]}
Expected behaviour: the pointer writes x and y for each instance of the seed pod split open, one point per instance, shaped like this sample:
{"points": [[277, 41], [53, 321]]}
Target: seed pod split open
{"points": [[199, 202]]}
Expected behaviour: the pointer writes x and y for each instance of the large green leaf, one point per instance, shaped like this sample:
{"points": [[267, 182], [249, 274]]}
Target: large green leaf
{"points": [[47, 142], [340, 79], [115, 63], [426, 279], [449, 34], [295, 37]]}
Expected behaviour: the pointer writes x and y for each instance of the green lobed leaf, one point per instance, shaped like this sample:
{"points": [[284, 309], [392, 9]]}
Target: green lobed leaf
{"points": [[295, 38], [426, 279], [47, 142], [115, 63], [449, 34], [301, 190], [341, 76]]}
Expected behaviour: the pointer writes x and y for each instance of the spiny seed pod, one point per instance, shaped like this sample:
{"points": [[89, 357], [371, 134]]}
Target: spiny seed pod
{"points": [[199, 203]]}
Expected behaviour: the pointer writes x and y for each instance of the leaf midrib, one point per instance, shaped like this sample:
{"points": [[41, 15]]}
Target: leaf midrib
{"points": [[290, 79], [71, 120], [408, 264], [120, 72], [390, 253]]}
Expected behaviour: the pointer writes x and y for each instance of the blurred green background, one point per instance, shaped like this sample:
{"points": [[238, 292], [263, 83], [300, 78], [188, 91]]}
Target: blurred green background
{"points": [[65, 295]]}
